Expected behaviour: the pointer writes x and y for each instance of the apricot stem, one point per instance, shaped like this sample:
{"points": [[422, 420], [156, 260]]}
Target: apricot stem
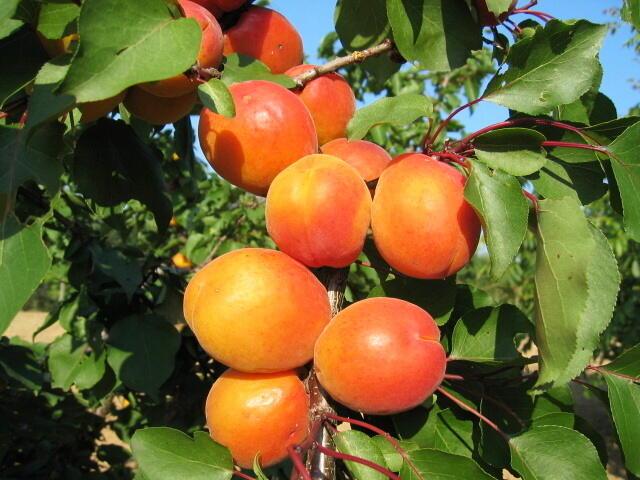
{"points": [[448, 376], [294, 454], [533, 198], [541, 15], [605, 371], [346, 456], [427, 141], [339, 62], [3, 115], [454, 157]]}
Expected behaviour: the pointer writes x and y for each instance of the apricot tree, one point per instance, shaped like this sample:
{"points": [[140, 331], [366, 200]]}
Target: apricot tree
{"points": [[304, 300]]}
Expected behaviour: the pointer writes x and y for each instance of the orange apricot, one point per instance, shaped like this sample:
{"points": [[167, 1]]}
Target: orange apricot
{"points": [[266, 35], [258, 413], [158, 110], [57, 46], [330, 101], [210, 54], [256, 310], [366, 157], [380, 356], [422, 225], [271, 130], [92, 111], [318, 211], [180, 260]]}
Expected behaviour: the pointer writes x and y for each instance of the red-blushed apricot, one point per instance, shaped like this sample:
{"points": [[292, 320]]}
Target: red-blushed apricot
{"points": [[92, 111], [380, 356], [258, 413], [57, 46], [212, 6], [271, 130], [318, 211], [422, 225], [257, 310], [158, 110], [330, 100], [210, 54], [266, 35], [366, 157]]}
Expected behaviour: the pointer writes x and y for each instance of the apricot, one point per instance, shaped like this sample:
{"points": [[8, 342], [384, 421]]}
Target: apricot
{"points": [[210, 54], [366, 157], [92, 111], [258, 413], [318, 211], [180, 260], [256, 310], [158, 110], [57, 46], [266, 35], [422, 225], [330, 100], [220, 7], [271, 130], [380, 356]]}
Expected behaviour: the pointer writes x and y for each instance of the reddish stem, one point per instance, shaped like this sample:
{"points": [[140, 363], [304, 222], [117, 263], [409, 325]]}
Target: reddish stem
{"points": [[532, 3], [454, 157], [297, 462], [603, 370], [3, 115], [541, 15], [472, 410], [352, 458], [533, 199], [584, 146], [448, 376], [429, 140], [23, 117]]}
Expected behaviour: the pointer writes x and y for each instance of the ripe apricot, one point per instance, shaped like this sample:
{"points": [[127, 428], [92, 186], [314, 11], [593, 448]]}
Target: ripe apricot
{"points": [[257, 310], [258, 413], [266, 35], [271, 130], [219, 7], [158, 110], [366, 157], [210, 54], [318, 211], [422, 225], [57, 46], [92, 111], [330, 100], [380, 356]]}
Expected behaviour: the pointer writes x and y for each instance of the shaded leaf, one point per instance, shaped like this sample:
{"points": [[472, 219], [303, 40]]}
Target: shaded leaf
{"points": [[71, 362], [21, 364], [216, 97], [114, 264], [361, 23], [358, 444], [516, 151], [438, 465]]}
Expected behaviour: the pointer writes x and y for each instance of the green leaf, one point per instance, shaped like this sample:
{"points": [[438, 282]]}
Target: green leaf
{"points": [[490, 335], [503, 210], [582, 181], [361, 23], [498, 6], [435, 296], [440, 34], [353, 442], [576, 289], [141, 352], [437, 465], [624, 399], [400, 110], [57, 20], [72, 362], [216, 97], [166, 454], [114, 264], [24, 260], [625, 160], [8, 24], [631, 12], [242, 68], [150, 45], [112, 165], [555, 66], [392, 457], [516, 151], [542, 452]]}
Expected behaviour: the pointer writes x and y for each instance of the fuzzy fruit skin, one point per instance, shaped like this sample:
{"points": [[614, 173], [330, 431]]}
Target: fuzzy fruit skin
{"points": [[487, 18], [266, 35], [252, 413], [380, 356], [422, 225], [92, 111], [158, 110], [271, 130], [257, 310], [330, 100], [318, 211], [210, 54], [366, 157]]}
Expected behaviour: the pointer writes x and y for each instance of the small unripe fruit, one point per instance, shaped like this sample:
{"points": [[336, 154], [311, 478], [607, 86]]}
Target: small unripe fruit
{"points": [[318, 211], [422, 225], [366, 157], [258, 413], [271, 130], [158, 110], [380, 356], [257, 310]]}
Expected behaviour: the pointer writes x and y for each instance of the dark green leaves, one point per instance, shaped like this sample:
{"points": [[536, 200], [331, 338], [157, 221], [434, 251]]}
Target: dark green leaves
{"points": [[73, 362], [440, 34], [360, 445], [141, 352], [216, 97], [166, 454], [437, 465], [399, 110], [554, 67], [576, 289], [8, 24], [24, 260], [513, 150], [150, 44], [112, 166], [503, 210]]}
